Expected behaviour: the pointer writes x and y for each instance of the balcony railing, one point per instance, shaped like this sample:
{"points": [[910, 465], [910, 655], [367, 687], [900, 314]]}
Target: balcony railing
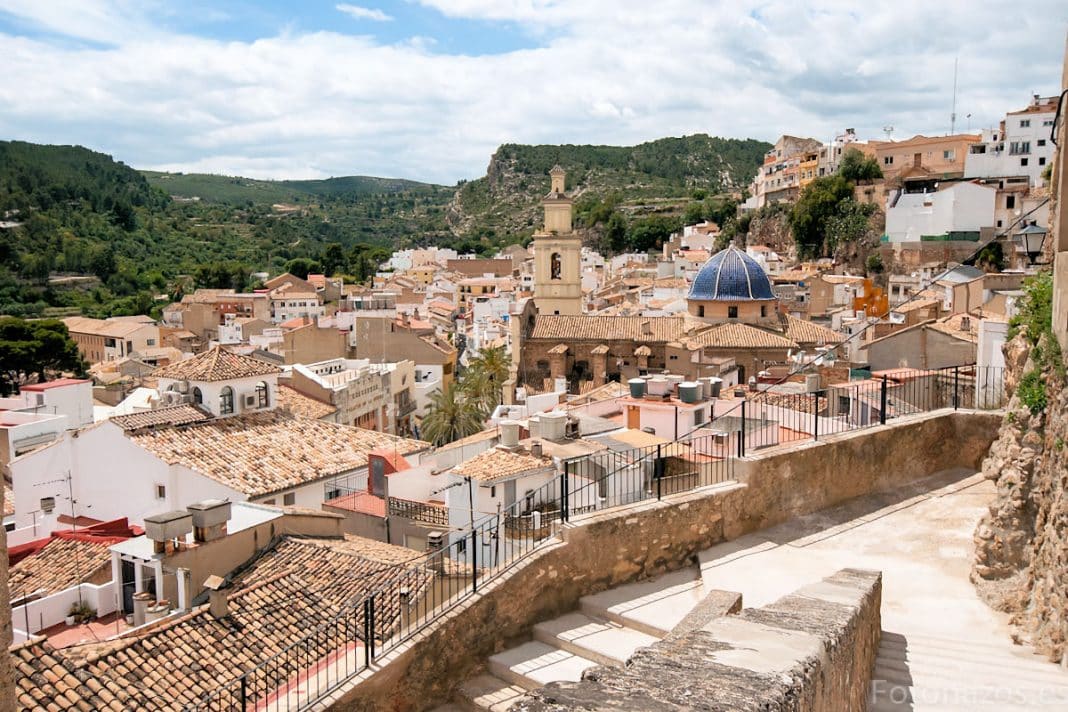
{"points": [[418, 511]]}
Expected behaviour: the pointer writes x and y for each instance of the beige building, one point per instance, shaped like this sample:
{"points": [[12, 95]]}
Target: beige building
{"points": [[112, 339], [934, 156]]}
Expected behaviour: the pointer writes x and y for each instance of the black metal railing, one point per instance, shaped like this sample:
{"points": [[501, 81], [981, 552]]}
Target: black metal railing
{"points": [[417, 511], [347, 642]]}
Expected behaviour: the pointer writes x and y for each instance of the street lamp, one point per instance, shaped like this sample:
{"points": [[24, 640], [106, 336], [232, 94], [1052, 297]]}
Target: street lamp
{"points": [[1031, 238]]}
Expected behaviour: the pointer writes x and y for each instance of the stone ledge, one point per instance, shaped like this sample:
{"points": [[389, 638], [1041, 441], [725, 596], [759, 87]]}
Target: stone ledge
{"points": [[811, 651]]}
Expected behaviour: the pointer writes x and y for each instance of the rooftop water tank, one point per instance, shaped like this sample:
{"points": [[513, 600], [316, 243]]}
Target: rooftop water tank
{"points": [[689, 392], [637, 387]]}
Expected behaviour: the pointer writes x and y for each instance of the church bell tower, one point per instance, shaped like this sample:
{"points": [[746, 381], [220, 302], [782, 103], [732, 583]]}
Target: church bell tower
{"points": [[557, 254]]}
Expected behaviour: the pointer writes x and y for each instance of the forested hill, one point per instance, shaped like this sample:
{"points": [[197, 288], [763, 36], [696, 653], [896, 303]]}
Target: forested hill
{"points": [[236, 190], [668, 169]]}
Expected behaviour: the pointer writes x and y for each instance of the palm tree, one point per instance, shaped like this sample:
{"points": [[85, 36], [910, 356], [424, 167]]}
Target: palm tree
{"points": [[486, 374], [451, 416]]}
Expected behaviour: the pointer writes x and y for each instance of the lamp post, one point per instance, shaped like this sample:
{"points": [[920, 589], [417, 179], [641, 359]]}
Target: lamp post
{"points": [[1031, 238]]}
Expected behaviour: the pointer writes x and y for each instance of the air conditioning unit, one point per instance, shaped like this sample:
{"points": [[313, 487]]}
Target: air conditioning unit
{"points": [[250, 401], [183, 386]]}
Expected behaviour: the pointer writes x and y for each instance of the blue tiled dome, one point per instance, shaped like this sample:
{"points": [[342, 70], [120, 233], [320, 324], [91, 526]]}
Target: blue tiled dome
{"points": [[731, 275]]}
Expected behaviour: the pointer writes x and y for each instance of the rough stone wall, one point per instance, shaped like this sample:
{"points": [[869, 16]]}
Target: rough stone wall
{"points": [[7, 674], [614, 547], [1021, 558], [811, 651]]}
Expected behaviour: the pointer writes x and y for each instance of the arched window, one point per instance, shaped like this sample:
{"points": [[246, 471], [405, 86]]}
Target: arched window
{"points": [[198, 397], [261, 394], [226, 401], [554, 266]]}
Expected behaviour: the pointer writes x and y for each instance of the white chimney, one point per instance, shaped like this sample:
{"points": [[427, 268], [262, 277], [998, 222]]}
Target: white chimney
{"points": [[509, 434], [553, 425]]}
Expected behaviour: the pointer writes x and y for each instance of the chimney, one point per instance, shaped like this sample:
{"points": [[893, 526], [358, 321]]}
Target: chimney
{"points": [[535, 448], [217, 600], [509, 434], [209, 519], [167, 528], [965, 323], [647, 328]]}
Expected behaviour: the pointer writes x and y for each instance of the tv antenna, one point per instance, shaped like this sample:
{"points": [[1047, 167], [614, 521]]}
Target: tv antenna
{"points": [[953, 111], [889, 131]]}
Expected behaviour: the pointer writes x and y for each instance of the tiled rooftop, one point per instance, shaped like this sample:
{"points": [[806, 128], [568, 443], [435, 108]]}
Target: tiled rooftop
{"points": [[60, 564], [278, 599], [183, 414], [216, 364], [265, 452], [807, 332], [608, 328], [302, 406], [496, 464], [741, 336]]}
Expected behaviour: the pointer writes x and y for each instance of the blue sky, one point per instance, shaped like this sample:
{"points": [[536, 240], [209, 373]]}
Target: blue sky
{"points": [[427, 89]]}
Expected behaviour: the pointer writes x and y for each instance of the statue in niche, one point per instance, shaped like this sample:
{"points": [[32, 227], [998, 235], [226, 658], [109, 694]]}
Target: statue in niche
{"points": [[554, 266]]}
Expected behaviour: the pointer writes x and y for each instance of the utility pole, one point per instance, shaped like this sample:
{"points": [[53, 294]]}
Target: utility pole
{"points": [[953, 112]]}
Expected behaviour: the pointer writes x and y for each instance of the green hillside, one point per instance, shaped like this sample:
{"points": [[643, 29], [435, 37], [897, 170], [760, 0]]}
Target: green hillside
{"points": [[240, 191]]}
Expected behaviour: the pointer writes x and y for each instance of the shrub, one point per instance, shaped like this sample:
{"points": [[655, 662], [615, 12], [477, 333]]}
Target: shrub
{"points": [[1032, 391]]}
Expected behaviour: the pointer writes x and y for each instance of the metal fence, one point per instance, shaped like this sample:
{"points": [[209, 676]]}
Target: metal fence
{"points": [[343, 644]]}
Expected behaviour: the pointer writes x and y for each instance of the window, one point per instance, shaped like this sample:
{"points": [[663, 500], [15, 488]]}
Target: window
{"points": [[701, 310], [198, 396], [332, 494], [888, 160], [1023, 161], [1019, 147], [673, 357], [948, 155], [1047, 122], [732, 312], [289, 499], [763, 310], [493, 490], [1041, 160], [1041, 142], [161, 492], [1025, 123], [261, 394], [555, 266], [269, 501], [150, 342], [226, 401], [999, 223], [698, 416], [1010, 201]]}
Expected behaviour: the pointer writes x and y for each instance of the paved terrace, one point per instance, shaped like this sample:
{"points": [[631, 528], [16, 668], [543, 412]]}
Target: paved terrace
{"points": [[943, 648]]}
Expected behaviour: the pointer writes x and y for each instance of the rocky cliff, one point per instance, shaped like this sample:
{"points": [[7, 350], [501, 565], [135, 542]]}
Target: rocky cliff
{"points": [[1021, 563]]}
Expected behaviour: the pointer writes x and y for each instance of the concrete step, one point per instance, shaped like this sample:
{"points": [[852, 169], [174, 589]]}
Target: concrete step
{"points": [[653, 607], [1018, 671], [598, 640], [534, 664], [922, 676], [488, 692]]}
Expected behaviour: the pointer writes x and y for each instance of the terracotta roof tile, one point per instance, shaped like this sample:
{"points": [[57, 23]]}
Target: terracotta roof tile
{"points": [[60, 564], [497, 464], [302, 406], [216, 364], [659, 329], [183, 414], [265, 452], [807, 332], [740, 336]]}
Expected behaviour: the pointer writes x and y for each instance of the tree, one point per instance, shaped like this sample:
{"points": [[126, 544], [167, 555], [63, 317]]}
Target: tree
{"points": [[451, 416], [615, 233], [855, 166], [485, 377], [991, 258], [34, 351], [333, 259], [874, 263], [817, 204], [302, 267], [103, 262], [695, 213]]}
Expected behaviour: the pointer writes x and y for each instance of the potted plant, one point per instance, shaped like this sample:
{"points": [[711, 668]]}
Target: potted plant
{"points": [[72, 614], [80, 612]]}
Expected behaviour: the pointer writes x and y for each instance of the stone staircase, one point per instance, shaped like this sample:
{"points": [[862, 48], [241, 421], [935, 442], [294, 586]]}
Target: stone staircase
{"points": [[606, 630], [917, 673]]}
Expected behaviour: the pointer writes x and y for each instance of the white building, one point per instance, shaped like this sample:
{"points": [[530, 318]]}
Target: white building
{"points": [[1019, 146], [959, 210], [221, 437], [70, 397]]}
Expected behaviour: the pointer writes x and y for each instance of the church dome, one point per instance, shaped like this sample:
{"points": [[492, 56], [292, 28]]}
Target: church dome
{"points": [[731, 276]]}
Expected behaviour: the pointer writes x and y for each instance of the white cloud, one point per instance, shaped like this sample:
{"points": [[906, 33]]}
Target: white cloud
{"points": [[608, 72], [363, 13]]}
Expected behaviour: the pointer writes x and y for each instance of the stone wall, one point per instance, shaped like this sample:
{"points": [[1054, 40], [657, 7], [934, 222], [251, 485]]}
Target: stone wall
{"points": [[605, 549], [811, 651], [1021, 557]]}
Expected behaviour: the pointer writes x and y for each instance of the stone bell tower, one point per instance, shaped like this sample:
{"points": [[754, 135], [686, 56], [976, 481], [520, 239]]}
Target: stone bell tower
{"points": [[557, 254]]}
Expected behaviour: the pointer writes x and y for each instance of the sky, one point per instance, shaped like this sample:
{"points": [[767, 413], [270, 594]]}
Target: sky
{"points": [[427, 89]]}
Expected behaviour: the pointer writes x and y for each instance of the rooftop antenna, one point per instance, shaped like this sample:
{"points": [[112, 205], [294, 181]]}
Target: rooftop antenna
{"points": [[953, 112], [889, 131]]}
